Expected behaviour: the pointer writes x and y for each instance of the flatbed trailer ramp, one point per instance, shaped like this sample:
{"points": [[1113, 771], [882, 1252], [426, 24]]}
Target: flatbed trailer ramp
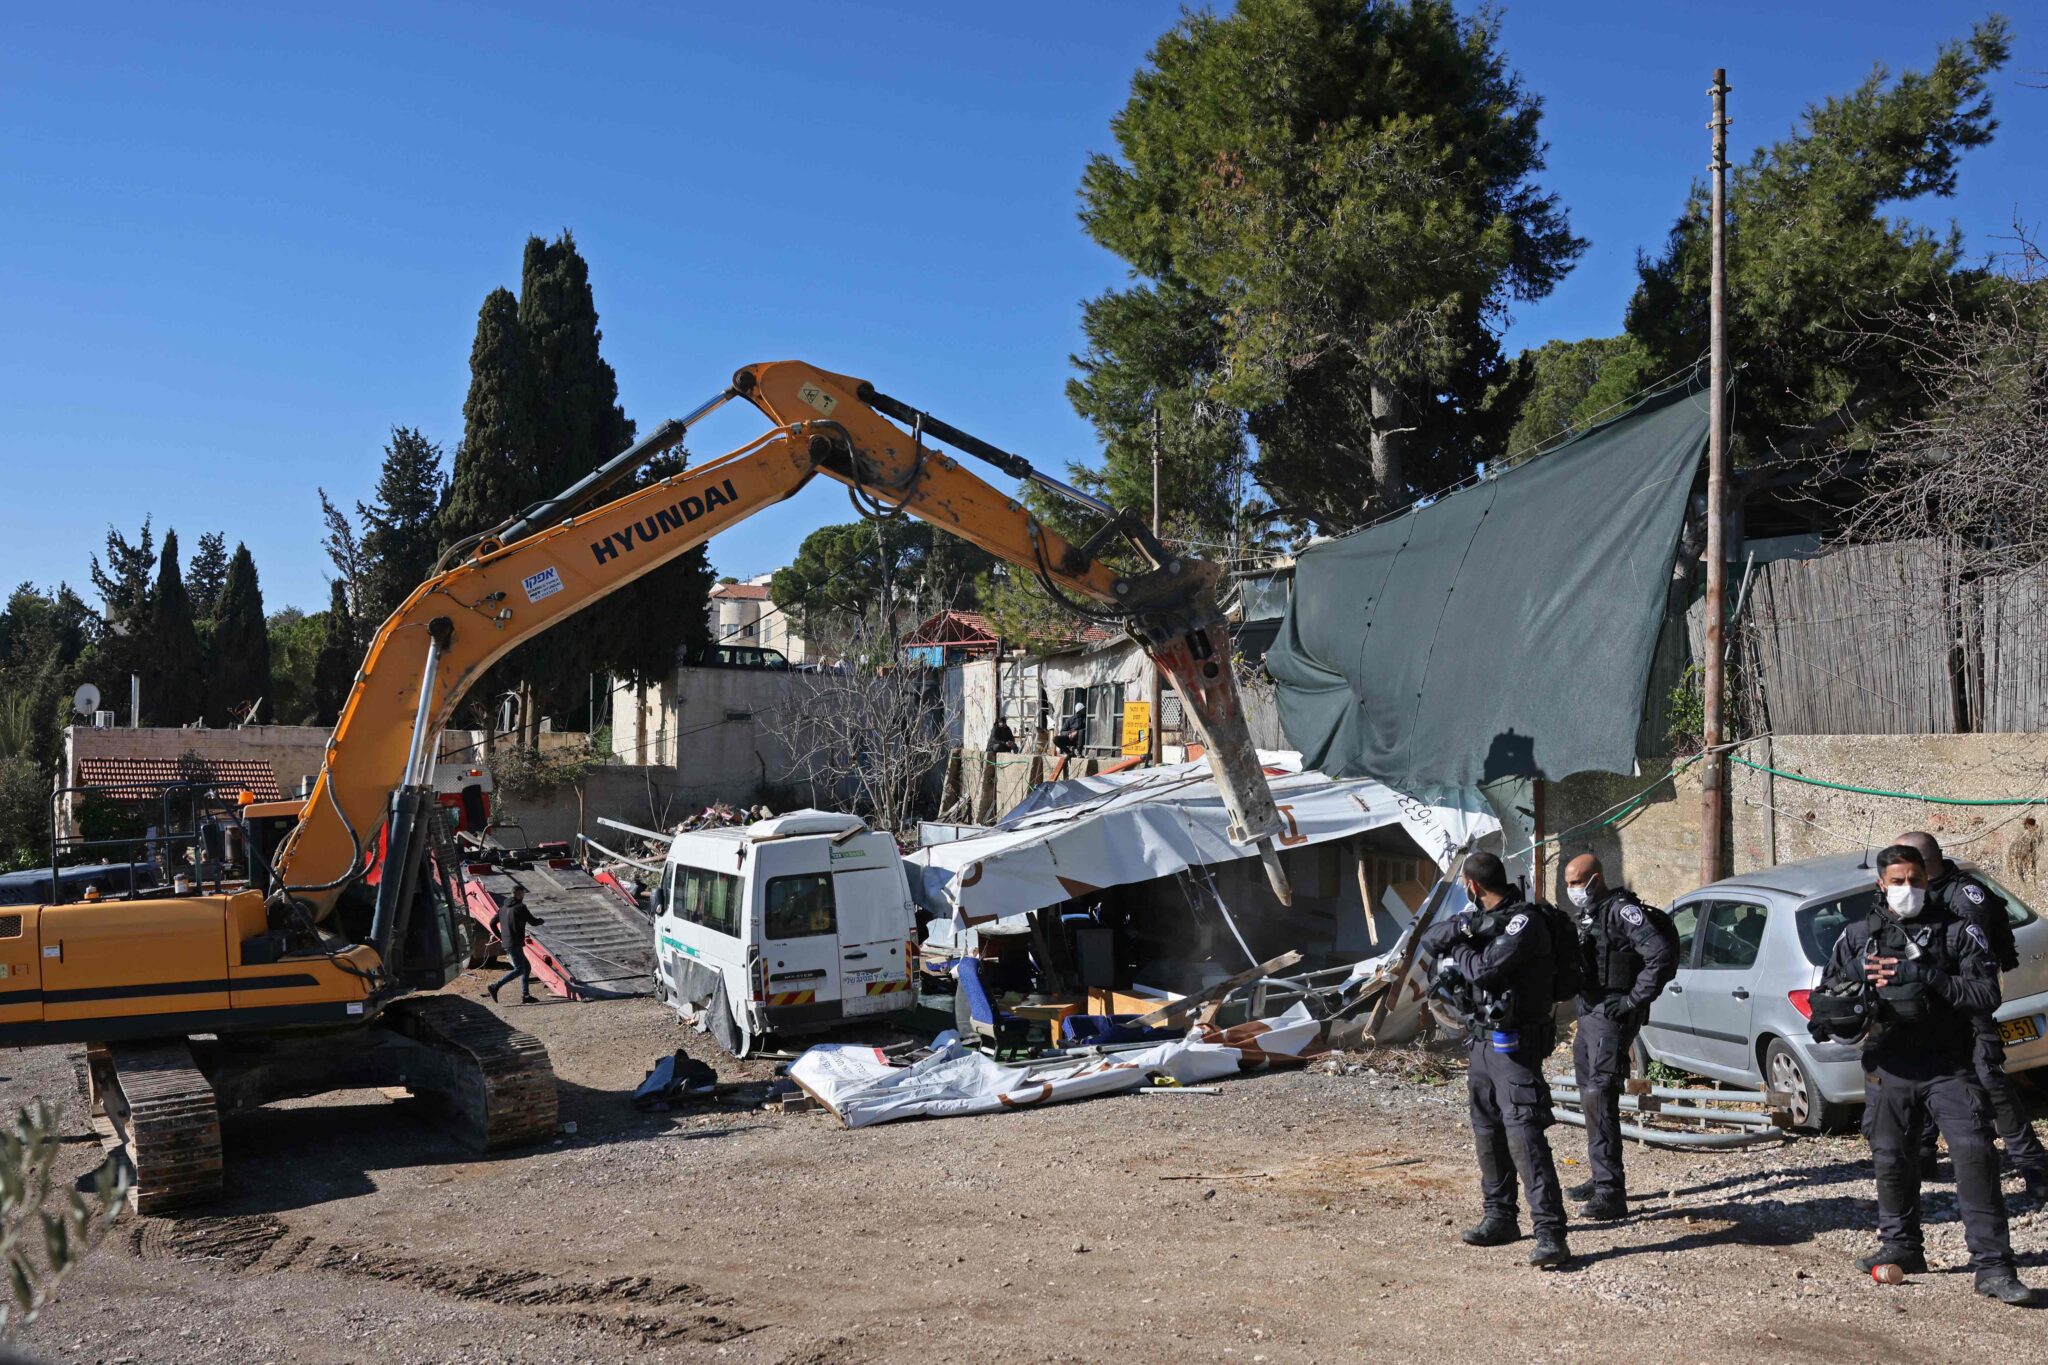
{"points": [[596, 944]]}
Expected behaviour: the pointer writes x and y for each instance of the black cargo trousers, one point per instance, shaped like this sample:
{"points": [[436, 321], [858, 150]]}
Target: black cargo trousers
{"points": [[1600, 1051], [2008, 1110], [1905, 1095], [1510, 1109]]}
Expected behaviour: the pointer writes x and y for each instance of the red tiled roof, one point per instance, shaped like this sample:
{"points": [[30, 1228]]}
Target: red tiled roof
{"points": [[954, 628], [138, 779], [746, 592]]}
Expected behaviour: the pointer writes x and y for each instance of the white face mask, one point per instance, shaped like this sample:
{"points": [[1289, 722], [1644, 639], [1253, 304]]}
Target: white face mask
{"points": [[1581, 896], [1905, 901]]}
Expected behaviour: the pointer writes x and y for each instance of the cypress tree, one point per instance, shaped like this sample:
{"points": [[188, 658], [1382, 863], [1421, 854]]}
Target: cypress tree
{"points": [[494, 466], [334, 668], [173, 667], [241, 643], [207, 573], [399, 536]]}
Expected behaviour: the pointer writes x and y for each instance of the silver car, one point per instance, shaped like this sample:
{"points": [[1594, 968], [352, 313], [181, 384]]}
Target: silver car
{"points": [[1751, 949]]}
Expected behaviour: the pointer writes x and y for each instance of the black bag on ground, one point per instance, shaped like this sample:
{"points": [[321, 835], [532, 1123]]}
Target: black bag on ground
{"points": [[675, 1078]]}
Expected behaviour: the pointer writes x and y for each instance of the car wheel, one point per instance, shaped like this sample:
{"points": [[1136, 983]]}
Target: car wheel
{"points": [[1784, 1070]]}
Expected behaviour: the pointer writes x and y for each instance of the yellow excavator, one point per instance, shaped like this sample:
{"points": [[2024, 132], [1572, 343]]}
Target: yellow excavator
{"points": [[317, 976]]}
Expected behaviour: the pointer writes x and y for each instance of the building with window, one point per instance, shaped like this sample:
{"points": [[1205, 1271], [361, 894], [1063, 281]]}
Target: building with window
{"points": [[743, 614]]}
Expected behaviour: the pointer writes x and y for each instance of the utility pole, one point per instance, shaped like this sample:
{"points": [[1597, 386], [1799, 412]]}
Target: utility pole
{"points": [[1156, 749], [1714, 764]]}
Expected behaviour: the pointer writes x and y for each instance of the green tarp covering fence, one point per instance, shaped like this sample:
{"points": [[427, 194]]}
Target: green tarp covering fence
{"points": [[1504, 631]]}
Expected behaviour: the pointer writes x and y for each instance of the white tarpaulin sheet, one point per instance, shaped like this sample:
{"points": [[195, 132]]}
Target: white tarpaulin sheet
{"points": [[1072, 838], [862, 1087]]}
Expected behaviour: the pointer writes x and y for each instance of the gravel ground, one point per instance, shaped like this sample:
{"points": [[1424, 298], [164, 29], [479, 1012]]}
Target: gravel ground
{"points": [[1323, 1227]]}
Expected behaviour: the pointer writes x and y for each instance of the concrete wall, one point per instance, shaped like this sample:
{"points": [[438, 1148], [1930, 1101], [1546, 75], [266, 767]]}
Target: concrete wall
{"points": [[1655, 850], [640, 795], [1774, 820], [720, 726], [1794, 820]]}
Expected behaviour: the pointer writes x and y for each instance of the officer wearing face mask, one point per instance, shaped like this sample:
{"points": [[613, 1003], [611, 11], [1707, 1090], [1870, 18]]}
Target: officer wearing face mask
{"points": [[1501, 949], [1972, 902], [1630, 955], [1925, 977]]}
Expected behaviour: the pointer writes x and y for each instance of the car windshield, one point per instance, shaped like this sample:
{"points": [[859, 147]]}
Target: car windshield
{"points": [[1821, 923]]}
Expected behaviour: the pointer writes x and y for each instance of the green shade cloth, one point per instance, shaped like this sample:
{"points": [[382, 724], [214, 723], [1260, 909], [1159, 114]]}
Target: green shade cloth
{"points": [[1504, 631]]}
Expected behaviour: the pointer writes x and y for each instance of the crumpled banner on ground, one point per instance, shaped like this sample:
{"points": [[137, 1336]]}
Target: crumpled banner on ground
{"points": [[861, 1087]]}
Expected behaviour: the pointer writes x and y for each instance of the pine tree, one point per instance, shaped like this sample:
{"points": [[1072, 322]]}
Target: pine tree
{"points": [[334, 669], [241, 644], [173, 667], [123, 584], [207, 573], [1328, 205], [495, 473], [1821, 253], [400, 539]]}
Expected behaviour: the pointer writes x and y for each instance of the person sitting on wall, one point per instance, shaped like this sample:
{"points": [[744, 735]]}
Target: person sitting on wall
{"points": [[1073, 732]]}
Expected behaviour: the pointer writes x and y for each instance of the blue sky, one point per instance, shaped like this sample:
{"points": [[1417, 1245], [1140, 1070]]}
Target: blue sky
{"points": [[241, 242]]}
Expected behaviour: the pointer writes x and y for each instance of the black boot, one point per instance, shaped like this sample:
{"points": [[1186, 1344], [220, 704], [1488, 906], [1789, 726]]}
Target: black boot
{"points": [[494, 992], [1551, 1253], [2002, 1284], [1605, 1208], [1912, 1262], [1492, 1232], [1581, 1193]]}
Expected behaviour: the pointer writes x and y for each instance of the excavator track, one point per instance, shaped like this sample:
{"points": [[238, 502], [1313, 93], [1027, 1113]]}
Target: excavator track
{"points": [[155, 1111], [495, 1082]]}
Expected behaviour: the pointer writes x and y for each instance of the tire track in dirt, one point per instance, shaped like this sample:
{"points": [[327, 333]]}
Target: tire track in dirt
{"points": [[637, 1305]]}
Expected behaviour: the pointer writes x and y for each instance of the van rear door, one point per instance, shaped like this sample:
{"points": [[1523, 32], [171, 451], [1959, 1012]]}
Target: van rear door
{"points": [[874, 927], [799, 944]]}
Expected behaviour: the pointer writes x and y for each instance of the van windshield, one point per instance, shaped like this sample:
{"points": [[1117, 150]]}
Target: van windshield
{"points": [[799, 907]]}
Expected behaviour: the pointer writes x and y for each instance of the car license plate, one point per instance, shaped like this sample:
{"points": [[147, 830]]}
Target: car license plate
{"points": [[2019, 1030]]}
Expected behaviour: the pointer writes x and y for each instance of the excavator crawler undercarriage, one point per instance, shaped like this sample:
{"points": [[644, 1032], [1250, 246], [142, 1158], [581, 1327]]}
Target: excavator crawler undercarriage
{"points": [[157, 1103]]}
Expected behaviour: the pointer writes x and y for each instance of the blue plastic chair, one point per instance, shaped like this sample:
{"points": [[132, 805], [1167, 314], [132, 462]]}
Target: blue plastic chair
{"points": [[1001, 1028], [1096, 1030]]}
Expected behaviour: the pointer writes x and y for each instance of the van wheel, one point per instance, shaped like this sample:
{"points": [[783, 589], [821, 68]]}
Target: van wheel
{"points": [[1783, 1070]]}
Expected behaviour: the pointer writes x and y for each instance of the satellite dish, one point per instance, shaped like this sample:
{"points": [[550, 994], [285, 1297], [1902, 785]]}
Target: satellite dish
{"points": [[86, 699]]}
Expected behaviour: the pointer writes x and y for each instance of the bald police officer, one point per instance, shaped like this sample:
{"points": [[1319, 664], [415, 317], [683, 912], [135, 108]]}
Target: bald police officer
{"points": [[1628, 960]]}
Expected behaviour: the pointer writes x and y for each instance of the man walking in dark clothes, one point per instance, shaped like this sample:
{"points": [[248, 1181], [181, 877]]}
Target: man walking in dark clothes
{"points": [[512, 922]]}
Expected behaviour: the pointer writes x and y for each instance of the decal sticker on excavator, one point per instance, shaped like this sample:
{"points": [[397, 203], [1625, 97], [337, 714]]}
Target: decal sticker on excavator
{"points": [[546, 583], [818, 398], [673, 517]]}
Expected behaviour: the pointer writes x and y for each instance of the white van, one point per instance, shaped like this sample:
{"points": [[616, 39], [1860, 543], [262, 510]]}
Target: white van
{"points": [[790, 925]]}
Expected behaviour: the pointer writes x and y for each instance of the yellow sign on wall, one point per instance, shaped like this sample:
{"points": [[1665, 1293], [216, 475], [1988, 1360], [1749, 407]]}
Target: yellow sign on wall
{"points": [[1137, 729]]}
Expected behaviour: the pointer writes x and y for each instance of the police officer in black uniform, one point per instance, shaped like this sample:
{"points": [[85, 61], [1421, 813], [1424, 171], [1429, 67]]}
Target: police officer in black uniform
{"points": [[1972, 902], [1500, 951], [1916, 978], [1627, 963]]}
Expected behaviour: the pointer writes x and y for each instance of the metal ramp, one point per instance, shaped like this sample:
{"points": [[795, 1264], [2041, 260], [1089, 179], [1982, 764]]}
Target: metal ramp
{"points": [[595, 944]]}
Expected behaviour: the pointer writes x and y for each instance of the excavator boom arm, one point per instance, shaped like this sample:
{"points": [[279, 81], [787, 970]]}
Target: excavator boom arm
{"points": [[553, 561]]}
